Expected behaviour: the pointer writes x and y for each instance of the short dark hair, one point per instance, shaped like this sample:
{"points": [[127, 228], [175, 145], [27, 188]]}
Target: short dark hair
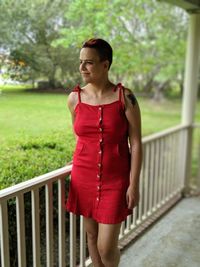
{"points": [[102, 47]]}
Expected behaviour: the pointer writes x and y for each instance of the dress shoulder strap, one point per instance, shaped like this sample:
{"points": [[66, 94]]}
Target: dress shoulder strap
{"points": [[78, 90], [121, 93]]}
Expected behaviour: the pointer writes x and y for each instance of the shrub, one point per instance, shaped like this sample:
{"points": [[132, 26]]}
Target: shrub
{"points": [[26, 158]]}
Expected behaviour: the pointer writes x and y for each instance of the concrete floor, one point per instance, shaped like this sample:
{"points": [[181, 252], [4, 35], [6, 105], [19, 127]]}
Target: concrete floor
{"points": [[174, 241]]}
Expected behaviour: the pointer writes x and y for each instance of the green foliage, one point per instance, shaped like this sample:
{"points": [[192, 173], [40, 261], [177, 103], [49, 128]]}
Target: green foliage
{"points": [[148, 49], [35, 135], [31, 26], [15, 68], [148, 39], [22, 160], [14, 87]]}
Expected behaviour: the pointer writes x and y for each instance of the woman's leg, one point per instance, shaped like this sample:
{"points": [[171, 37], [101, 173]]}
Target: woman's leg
{"points": [[91, 228], [107, 244]]}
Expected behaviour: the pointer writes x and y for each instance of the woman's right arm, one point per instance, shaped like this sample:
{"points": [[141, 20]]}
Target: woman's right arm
{"points": [[71, 104]]}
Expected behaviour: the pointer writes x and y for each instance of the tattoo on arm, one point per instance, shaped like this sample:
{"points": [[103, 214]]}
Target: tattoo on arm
{"points": [[132, 98]]}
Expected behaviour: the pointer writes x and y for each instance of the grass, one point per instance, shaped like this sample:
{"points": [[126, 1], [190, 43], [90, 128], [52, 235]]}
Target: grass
{"points": [[159, 116], [35, 114], [36, 134], [32, 114]]}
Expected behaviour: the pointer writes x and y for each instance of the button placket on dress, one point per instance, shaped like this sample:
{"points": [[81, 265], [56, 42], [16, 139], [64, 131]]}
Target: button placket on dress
{"points": [[100, 154]]}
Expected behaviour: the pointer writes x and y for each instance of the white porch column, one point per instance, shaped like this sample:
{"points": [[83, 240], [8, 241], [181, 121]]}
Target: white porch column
{"points": [[191, 70], [190, 88]]}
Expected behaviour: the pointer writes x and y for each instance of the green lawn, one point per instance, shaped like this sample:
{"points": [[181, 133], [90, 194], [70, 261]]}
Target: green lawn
{"points": [[33, 114], [36, 135], [159, 116]]}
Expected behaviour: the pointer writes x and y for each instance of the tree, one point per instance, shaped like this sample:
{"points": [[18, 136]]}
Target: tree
{"points": [[148, 38], [31, 28]]}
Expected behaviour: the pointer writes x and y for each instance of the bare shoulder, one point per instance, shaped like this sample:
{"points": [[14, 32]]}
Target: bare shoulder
{"points": [[130, 99], [127, 91], [72, 100], [132, 110]]}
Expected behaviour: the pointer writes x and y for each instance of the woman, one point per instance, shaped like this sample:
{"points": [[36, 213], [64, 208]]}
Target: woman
{"points": [[104, 184]]}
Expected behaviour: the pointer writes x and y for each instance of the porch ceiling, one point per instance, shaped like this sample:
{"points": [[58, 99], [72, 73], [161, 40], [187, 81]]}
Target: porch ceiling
{"points": [[192, 6]]}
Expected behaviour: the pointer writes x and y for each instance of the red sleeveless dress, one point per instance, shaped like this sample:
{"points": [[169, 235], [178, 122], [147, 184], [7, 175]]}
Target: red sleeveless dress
{"points": [[101, 161]]}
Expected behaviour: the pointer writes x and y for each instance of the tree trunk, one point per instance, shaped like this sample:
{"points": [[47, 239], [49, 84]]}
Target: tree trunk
{"points": [[159, 89], [51, 78], [181, 88]]}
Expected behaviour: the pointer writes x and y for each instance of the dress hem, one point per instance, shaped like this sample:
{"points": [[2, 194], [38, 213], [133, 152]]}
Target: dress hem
{"points": [[130, 212]]}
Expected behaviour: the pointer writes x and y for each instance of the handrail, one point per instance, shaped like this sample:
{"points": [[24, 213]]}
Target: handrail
{"points": [[38, 181], [164, 133]]}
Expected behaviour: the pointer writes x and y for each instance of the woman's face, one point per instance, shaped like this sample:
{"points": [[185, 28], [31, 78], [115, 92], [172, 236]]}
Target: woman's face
{"points": [[91, 68]]}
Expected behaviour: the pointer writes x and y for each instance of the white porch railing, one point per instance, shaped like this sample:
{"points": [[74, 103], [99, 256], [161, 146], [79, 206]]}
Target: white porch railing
{"points": [[47, 236]]}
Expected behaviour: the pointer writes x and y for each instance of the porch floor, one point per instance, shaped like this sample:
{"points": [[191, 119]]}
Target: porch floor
{"points": [[173, 241]]}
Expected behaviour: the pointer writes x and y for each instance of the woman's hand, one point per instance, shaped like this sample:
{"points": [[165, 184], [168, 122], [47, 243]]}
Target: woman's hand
{"points": [[132, 197]]}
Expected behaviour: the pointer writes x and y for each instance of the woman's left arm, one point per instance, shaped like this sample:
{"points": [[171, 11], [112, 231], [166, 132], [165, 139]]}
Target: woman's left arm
{"points": [[132, 112]]}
